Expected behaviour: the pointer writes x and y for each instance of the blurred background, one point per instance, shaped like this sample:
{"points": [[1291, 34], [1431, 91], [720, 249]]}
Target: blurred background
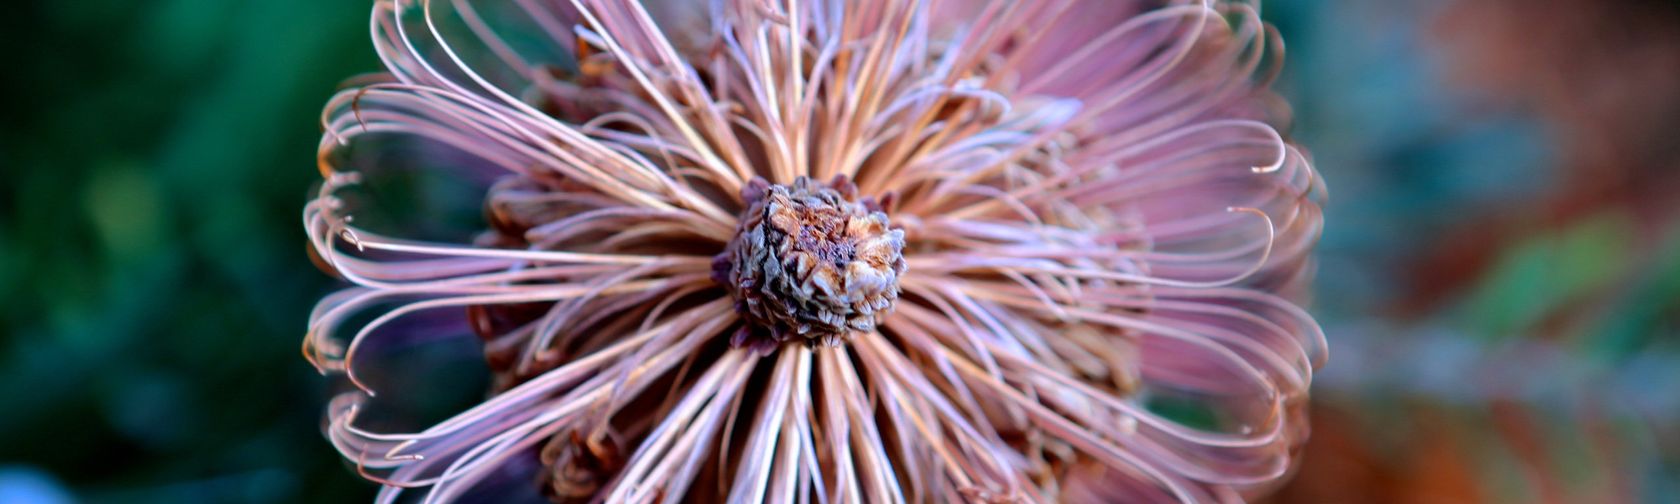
{"points": [[1500, 274]]}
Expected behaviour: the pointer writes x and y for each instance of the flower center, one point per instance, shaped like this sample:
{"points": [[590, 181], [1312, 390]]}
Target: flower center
{"points": [[810, 260]]}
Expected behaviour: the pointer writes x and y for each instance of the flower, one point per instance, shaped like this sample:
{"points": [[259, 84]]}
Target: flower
{"points": [[862, 251]]}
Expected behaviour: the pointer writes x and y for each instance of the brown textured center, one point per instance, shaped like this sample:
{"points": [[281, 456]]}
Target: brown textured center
{"points": [[810, 260]]}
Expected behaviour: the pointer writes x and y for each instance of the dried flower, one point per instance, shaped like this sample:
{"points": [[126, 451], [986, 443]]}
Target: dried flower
{"points": [[862, 251]]}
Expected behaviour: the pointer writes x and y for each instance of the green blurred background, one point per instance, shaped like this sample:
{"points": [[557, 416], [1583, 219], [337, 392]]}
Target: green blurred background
{"points": [[1500, 276]]}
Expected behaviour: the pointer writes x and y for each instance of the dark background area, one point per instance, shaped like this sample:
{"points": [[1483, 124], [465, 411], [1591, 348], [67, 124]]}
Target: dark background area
{"points": [[1500, 275]]}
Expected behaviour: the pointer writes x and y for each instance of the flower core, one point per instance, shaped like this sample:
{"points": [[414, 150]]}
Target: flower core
{"points": [[811, 260]]}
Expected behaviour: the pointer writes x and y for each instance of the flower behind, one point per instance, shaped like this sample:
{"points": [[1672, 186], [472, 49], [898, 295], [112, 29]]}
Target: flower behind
{"points": [[865, 251]]}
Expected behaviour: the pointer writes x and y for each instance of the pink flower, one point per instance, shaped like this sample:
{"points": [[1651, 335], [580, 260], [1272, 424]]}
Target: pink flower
{"points": [[856, 251]]}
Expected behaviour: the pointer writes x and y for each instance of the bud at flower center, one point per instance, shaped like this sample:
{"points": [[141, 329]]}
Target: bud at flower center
{"points": [[809, 260]]}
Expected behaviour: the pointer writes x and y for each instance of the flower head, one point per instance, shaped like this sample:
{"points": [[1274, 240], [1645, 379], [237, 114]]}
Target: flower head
{"points": [[861, 251]]}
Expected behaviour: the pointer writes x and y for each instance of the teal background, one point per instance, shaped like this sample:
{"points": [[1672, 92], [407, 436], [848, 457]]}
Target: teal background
{"points": [[157, 156], [1498, 333]]}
